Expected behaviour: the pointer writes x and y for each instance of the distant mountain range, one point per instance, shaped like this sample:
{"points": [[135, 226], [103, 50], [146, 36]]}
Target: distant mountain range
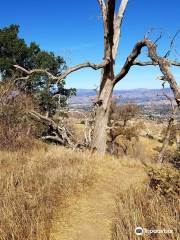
{"points": [[140, 96]]}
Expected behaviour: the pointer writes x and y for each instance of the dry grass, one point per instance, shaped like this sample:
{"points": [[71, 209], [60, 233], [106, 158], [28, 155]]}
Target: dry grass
{"points": [[33, 185], [145, 150], [139, 207]]}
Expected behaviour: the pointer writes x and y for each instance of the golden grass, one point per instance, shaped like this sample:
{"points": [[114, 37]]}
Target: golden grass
{"points": [[33, 185], [140, 207]]}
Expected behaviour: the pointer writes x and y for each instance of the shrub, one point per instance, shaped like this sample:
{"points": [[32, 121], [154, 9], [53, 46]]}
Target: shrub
{"points": [[122, 131], [165, 181], [16, 130], [175, 159]]}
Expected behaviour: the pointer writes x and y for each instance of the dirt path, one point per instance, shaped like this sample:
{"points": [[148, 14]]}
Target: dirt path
{"points": [[89, 216]]}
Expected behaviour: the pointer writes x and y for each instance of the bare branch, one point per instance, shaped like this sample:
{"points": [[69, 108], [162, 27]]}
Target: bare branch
{"points": [[150, 63], [148, 32], [174, 63], [83, 65], [158, 38], [172, 44], [121, 11], [42, 119], [21, 78], [65, 74], [130, 61], [53, 138], [59, 134], [117, 26], [141, 63], [30, 72], [103, 9], [163, 63]]}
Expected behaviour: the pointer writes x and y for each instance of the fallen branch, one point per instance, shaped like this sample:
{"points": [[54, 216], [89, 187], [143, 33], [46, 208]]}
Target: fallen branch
{"points": [[59, 134], [53, 138]]}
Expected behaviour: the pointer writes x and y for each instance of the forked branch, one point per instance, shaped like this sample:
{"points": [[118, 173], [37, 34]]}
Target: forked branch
{"points": [[162, 62]]}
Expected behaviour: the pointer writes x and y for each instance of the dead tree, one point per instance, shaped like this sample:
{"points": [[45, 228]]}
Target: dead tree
{"points": [[112, 31], [171, 123], [58, 134]]}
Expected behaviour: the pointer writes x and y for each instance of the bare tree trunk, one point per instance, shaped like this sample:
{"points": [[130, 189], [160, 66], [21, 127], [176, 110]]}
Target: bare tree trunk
{"points": [[112, 31], [102, 117], [106, 86]]}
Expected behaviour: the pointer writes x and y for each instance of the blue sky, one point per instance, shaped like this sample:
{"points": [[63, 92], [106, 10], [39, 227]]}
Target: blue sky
{"points": [[74, 30]]}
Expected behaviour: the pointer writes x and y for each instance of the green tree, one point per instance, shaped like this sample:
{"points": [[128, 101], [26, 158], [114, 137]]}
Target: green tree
{"points": [[14, 50]]}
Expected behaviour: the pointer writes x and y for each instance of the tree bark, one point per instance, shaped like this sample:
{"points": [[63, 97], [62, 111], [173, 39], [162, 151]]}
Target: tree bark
{"points": [[106, 87], [112, 31], [102, 117]]}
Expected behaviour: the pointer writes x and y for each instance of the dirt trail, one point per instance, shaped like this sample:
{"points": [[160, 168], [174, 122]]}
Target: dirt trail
{"points": [[89, 216]]}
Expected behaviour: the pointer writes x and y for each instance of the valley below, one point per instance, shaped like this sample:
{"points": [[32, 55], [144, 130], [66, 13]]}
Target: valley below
{"points": [[151, 101]]}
